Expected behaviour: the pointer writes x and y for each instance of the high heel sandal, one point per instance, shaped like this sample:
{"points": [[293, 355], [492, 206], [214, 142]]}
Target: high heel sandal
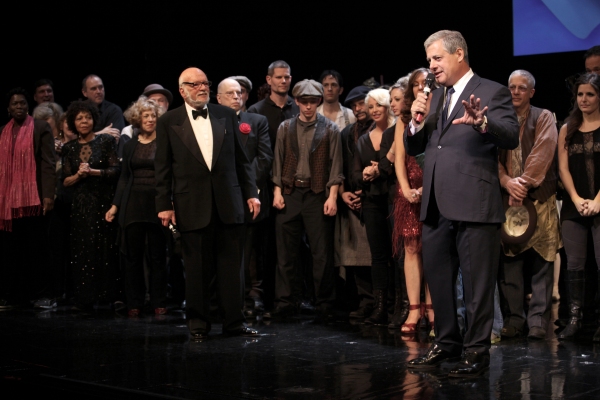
{"points": [[431, 323], [411, 328]]}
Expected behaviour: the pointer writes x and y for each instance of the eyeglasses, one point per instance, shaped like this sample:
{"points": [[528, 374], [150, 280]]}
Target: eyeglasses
{"points": [[195, 85], [231, 93]]}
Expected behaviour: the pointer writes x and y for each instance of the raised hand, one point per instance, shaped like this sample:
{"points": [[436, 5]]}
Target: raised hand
{"points": [[473, 114]]}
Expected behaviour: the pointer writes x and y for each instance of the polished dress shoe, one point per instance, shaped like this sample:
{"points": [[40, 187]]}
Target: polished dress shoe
{"points": [[242, 331], [435, 356], [471, 364], [536, 333]]}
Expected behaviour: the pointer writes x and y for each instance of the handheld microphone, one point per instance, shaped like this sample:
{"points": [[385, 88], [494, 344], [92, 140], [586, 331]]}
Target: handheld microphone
{"points": [[427, 89]]}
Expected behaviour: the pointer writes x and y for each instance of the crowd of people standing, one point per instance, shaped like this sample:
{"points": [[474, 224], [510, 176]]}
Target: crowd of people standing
{"points": [[401, 195]]}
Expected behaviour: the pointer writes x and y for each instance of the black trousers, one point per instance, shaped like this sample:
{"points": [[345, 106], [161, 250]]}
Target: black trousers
{"points": [[575, 239], [215, 250], [254, 259], [512, 286], [475, 248], [25, 264], [303, 212], [375, 215], [137, 235]]}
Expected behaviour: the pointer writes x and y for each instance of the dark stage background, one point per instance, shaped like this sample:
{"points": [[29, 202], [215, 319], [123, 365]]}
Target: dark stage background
{"points": [[134, 44]]}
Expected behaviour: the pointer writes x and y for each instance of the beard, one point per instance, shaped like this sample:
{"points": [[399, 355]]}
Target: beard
{"points": [[197, 104]]}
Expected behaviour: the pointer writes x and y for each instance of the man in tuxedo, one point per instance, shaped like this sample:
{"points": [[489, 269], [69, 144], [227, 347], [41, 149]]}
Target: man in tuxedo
{"points": [[203, 177], [460, 130], [254, 135]]}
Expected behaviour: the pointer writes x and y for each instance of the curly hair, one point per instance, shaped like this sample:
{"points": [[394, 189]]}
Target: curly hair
{"points": [[575, 118], [81, 106], [17, 90], [134, 113]]}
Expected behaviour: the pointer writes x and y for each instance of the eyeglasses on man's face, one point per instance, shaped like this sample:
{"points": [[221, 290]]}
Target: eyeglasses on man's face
{"points": [[196, 85]]}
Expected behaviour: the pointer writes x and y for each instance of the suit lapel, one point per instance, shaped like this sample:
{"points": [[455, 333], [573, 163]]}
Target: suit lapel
{"points": [[245, 137], [183, 129], [458, 107], [219, 132]]}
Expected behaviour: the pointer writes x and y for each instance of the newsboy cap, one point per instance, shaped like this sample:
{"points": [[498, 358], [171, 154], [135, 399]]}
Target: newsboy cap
{"points": [[242, 80], [307, 88], [357, 93], [156, 88]]}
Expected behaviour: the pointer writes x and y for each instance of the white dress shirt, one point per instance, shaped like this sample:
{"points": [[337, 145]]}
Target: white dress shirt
{"points": [[203, 132], [459, 87]]}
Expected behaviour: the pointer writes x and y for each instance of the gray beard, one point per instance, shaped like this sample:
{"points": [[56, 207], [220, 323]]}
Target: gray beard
{"points": [[197, 104]]}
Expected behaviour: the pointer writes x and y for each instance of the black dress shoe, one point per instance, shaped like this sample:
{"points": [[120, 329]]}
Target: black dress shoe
{"points": [[242, 331], [435, 356], [471, 364]]}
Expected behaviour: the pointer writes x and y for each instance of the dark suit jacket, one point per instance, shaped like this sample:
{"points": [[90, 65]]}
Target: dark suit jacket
{"points": [[258, 149], [184, 182], [461, 164]]}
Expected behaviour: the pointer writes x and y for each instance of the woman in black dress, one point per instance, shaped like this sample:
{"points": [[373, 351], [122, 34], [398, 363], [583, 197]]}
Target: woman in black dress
{"points": [[374, 183], [136, 210], [91, 167], [579, 168]]}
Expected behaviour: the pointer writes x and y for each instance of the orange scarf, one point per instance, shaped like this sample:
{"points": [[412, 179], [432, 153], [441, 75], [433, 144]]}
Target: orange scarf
{"points": [[18, 187]]}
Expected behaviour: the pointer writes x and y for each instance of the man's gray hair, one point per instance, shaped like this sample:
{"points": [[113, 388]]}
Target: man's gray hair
{"points": [[277, 64], [452, 41], [526, 74]]}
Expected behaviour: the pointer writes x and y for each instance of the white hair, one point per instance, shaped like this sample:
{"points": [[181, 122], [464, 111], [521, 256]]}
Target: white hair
{"points": [[382, 97]]}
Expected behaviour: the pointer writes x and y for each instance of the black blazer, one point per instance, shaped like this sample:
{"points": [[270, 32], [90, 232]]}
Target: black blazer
{"points": [[461, 164], [125, 180], [184, 182], [258, 149]]}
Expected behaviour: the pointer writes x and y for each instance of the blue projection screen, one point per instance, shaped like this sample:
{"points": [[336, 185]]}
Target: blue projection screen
{"points": [[554, 26]]}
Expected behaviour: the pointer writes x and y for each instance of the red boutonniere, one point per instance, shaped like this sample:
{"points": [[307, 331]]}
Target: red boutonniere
{"points": [[245, 128]]}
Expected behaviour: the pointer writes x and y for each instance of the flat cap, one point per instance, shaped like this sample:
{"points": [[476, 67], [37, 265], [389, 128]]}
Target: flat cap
{"points": [[357, 93], [242, 80], [156, 88], [307, 87]]}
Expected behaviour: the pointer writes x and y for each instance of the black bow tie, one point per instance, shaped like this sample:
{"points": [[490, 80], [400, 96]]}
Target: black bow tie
{"points": [[200, 113]]}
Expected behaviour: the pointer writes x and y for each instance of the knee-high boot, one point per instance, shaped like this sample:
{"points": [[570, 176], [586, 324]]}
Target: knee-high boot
{"points": [[576, 285]]}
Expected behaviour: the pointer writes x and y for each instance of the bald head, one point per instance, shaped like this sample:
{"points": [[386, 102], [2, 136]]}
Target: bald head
{"points": [[229, 94], [194, 87]]}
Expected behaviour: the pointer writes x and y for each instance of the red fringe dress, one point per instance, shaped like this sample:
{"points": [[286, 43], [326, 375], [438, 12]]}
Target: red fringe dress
{"points": [[407, 227]]}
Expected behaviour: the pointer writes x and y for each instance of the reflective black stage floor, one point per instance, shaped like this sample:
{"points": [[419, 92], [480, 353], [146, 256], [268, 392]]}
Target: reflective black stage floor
{"points": [[102, 356]]}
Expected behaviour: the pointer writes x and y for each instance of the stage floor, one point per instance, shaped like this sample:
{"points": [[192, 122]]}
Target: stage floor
{"points": [[102, 356]]}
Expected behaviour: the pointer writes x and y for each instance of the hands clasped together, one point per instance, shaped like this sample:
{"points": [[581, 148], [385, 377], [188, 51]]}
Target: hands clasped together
{"points": [[587, 207]]}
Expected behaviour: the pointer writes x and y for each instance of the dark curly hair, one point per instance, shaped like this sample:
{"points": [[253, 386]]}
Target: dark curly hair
{"points": [[17, 90], [80, 106], [575, 118]]}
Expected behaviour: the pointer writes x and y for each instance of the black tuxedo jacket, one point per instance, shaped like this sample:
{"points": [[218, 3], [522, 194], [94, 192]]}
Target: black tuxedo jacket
{"points": [[461, 164], [184, 182], [258, 149]]}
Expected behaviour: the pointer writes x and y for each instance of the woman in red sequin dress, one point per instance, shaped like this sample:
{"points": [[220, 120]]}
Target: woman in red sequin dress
{"points": [[407, 209]]}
